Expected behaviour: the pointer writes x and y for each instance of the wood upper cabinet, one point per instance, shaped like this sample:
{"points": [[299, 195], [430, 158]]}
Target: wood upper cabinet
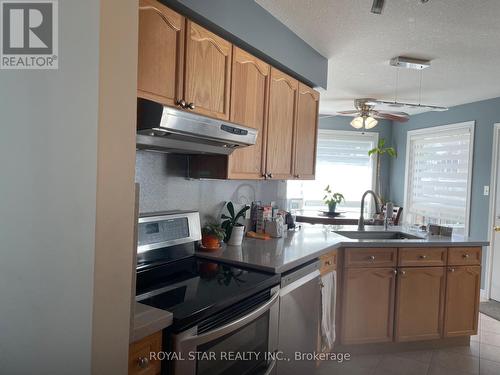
{"points": [[420, 303], [306, 130], [462, 300], [207, 81], [281, 123], [161, 53], [368, 305], [249, 104]]}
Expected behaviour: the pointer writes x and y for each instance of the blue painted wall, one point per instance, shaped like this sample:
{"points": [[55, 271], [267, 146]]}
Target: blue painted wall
{"points": [[384, 128], [248, 25]]}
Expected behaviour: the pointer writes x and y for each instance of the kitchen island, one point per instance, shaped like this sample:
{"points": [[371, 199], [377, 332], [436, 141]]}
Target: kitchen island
{"points": [[393, 287]]}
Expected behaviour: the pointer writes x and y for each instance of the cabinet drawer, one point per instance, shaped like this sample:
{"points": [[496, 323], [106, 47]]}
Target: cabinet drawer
{"points": [[425, 256], [371, 257], [139, 362], [328, 262], [464, 256]]}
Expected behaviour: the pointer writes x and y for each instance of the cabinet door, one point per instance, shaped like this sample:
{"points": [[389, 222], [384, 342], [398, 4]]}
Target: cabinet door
{"points": [[281, 122], [420, 303], [208, 72], [249, 94], [462, 301], [306, 129], [368, 305], [161, 53]]}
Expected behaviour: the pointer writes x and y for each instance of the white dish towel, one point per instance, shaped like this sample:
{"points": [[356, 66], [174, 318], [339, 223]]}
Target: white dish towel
{"points": [[328, 301]]}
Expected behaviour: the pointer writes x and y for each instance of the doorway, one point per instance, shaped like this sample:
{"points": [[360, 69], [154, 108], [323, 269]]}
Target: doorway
{"points": [[494, 258]]}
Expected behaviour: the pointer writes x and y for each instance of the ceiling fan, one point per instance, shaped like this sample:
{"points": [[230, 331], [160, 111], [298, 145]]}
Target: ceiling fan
{"points": [[366, 115]]}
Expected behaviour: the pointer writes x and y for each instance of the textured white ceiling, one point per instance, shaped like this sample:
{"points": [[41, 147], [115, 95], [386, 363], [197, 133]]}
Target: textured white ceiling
{"points": [[461, 37]]}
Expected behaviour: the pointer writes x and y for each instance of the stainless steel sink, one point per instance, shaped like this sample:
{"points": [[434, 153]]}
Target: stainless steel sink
{"points": [[372, 235]]}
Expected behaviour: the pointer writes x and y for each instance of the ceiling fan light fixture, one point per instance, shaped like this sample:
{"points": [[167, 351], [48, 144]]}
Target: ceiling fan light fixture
{"points": [[358, 122], [370, 123]]}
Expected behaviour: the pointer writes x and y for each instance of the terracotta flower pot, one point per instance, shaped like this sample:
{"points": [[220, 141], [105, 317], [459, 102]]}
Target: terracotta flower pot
{"points": [[210, 242]]}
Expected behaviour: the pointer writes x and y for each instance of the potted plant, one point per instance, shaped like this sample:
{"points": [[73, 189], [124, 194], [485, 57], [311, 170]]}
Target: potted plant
{"points": [[233, 229], [379, 151], [212, 235], [331, 199]]}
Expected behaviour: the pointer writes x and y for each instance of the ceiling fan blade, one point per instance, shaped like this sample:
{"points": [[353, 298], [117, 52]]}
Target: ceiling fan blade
{"points": [[403, 117], [348, 113], [403, 114]]}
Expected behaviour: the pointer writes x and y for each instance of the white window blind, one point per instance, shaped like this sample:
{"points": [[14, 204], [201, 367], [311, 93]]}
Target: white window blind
{"points": [[439, 164], [342, 162]]}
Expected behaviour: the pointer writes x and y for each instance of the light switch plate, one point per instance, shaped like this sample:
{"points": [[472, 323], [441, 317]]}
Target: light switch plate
{"points": [[486, 190]]}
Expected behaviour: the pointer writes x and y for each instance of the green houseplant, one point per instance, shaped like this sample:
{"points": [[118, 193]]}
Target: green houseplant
{"points": [[331, 199], [212, 235], [230, 222], [380, 150]]}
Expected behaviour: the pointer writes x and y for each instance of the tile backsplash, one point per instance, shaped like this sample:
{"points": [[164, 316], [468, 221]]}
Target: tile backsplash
{"points": [[164, 186]]}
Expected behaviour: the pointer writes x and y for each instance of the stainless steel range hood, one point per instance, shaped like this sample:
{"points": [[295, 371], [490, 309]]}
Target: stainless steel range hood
{"points": [[165, 129]]}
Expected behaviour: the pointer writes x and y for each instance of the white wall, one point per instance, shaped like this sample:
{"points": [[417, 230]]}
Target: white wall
{"points": [[48, 167]]}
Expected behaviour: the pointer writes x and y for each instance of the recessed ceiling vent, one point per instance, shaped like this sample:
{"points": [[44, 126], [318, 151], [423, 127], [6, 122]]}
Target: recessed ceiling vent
{"points": [[377, 6]]}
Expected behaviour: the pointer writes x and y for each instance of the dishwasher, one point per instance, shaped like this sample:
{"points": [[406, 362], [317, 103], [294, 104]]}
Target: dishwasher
{"points": [[299, 318]]}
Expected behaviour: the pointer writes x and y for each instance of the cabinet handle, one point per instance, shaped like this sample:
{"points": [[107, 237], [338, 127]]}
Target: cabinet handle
{"points": [[264, 175], [297, 176], [181, 103], [372, 257], [143, 362], [328, 262], [191, 106], [466, 256], [395, 271], [402, 273], [451, 269], [423, 256], [270, 175]]}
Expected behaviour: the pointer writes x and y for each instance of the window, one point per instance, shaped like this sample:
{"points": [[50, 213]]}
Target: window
{"points": [[438, 175], [342, 162]]}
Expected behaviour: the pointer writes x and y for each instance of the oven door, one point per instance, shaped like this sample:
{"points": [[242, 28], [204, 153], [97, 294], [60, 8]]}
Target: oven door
{"points": [[236, 343]]}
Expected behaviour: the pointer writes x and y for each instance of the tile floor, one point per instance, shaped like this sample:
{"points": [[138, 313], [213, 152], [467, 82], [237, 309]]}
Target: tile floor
{"points": [[482, 357]]}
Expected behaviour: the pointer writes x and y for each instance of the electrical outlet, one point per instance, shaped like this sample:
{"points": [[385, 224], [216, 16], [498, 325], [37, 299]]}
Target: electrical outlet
{"points": [[486, 190]]}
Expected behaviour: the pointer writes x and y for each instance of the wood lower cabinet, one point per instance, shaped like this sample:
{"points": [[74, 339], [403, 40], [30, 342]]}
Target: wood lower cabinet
{"points": [[306, 130], [368, 305], [434, 295], [161, 53], [249, 104], [462, 300], [139, 361], [207, 80], [281, 122], [420, 303]]}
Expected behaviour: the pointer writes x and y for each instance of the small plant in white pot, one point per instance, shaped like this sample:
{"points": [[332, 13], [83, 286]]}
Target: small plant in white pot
{"points": [[332, 199], [234, 230]]}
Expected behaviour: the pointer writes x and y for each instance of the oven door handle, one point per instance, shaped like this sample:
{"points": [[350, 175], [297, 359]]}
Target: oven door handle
{"points": [[230, 327]]}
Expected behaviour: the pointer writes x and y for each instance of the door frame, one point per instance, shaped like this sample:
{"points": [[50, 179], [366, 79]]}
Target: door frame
{"points": [[493, 198]]}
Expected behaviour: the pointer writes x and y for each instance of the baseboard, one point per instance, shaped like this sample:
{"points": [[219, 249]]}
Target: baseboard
{"points": [[484, 295]]}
